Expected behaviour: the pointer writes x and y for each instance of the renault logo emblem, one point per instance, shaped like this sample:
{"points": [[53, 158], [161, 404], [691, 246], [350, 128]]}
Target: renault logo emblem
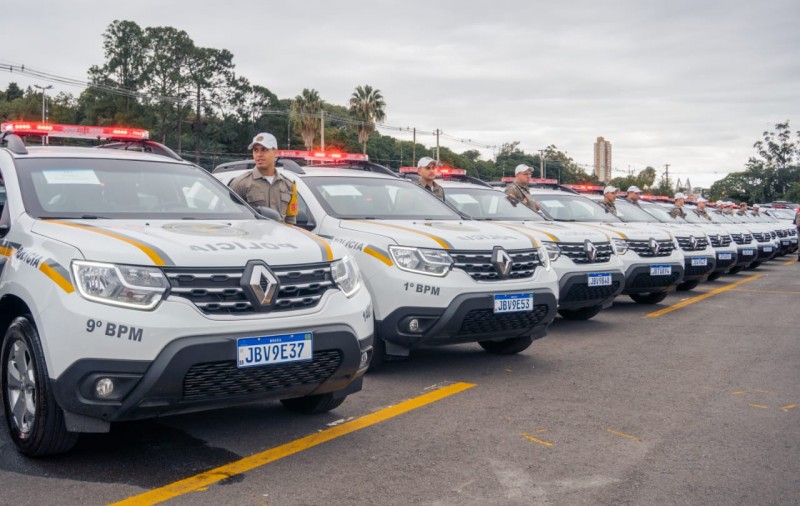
{"points": [[654, 246], [590, 249], [262, 284], [693, 241], [501, 261]]}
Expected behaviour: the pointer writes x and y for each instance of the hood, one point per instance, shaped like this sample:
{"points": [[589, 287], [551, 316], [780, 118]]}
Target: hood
{"points": [[188, 243], [635, 231], [561, 232], [681, 229], [456, 235]]}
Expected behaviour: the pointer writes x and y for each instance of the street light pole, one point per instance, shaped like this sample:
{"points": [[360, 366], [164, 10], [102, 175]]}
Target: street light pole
{"points": [[44, 108]]}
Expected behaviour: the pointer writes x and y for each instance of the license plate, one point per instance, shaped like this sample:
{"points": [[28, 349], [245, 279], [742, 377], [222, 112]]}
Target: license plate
{"points": [[727, 255], [699, 262], [660, 270], [785, 242], [599, 279], [279, 349], [748, 252], [513, 302], [768, 249]]}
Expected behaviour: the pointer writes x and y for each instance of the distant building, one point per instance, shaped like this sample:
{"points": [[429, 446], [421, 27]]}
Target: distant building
{"points": [[602, 160]]}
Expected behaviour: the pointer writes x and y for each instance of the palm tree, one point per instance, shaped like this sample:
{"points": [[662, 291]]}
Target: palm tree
{"points": [[366, 107], [305, 111]]}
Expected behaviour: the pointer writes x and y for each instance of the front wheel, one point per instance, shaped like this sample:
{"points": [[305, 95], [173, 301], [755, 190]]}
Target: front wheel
{"points": [[313, 404], [34, 420], [507, 346], [754, 265], [736, 269], [688, 285], [714, 276], [648, 298], [583, 313]]}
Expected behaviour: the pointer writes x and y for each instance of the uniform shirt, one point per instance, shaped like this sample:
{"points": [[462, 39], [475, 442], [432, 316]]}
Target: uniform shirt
{"points": [[521, 195], [433, 188], [797, 220], [702, 214], [677, 212], [256, 190], [610, 207]]}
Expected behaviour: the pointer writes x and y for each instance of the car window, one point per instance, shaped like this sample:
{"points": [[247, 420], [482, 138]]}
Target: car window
{"points": [[486, 203], [573, 208]]}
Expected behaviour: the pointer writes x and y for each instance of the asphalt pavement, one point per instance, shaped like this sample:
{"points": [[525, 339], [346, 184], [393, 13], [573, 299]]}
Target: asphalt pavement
{"points": [[692, 401]]}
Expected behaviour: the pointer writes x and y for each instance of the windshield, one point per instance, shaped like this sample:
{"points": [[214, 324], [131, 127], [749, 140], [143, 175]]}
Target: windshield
{"points": [[633, 214], [377, 198], [662, 215], [124, 189], [488, 204], [566, 207], [782, 214]]}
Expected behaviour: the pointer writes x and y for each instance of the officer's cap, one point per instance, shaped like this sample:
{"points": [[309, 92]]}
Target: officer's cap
{"points": [[267, 140]]}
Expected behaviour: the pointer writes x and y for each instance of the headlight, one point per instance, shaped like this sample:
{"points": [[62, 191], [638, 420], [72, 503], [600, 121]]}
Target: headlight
{"points": [[544, 255], [553, 251], [346, 275], [620, 246], [432, 262], [128, 286]]}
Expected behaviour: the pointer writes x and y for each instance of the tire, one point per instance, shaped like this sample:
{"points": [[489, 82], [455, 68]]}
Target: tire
{"points": [[714, 276], [378, 360], [648, 298], [507, 346], [313, 404], [735, 270], [583, 313], [754, 265], [688, 285], [35, 422]]}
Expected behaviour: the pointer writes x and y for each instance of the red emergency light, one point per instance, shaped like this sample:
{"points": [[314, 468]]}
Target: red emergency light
{"points": [[75, 131], [442, 171], [322, 156], [585, 188]]}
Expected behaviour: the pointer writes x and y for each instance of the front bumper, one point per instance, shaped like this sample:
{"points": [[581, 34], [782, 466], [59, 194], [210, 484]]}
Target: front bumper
{"points": [[695, 272], [723, 264], [766, 251], [639, 280], [199, 373], [468, 318], [575, 292], [746, 255]]}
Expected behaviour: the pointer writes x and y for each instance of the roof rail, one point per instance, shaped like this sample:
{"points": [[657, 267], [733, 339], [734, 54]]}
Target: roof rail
{"points": [[285, 163], [14, 143], [357, 165], [144, 146], [290, 165]]}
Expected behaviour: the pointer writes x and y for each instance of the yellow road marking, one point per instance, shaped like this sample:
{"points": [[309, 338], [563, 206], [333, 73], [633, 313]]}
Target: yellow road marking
{"points": [[790, 406], [540, 431], [383, 258], [194, 483], [57, 278], [790, 262], [740, 392], [760, 406], [767, 291], [704, 296], [535, 440], [616, 433], [152, 255]]}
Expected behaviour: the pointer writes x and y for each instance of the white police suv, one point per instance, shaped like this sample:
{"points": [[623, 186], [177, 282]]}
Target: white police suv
{"points": [[123, 299], [436, 277]]}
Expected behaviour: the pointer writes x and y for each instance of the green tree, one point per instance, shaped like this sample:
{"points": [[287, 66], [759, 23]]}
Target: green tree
{"points": [[306, 109], [367, 107]]}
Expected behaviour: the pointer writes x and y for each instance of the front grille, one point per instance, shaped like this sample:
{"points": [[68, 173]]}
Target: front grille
{"points": [[213, 380], [758, 236], [742, 238], [645, 280], [701, 243], [642, 248], [582, 292], [792, 232], [720, 241], [219, 290], [478, 264], [773, 234], [783, 233], [485, 321], [576, 251]]}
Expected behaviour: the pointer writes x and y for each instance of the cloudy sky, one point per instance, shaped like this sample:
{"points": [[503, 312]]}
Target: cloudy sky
{"points": [[692, 84]]}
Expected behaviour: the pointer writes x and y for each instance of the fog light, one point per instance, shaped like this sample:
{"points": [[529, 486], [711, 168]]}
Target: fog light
{"points": [[413, 325], [104, 387], [364, 360]]}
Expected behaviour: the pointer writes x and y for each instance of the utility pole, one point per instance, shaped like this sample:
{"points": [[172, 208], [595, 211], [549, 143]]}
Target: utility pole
{"points": [[541, 163], [437, 146], [414, 147], [666, 168], [44, 107], [322, 130]]}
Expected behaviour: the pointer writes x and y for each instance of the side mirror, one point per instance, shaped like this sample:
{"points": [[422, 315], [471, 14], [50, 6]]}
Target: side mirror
{"points": [[269, 213], [305, 221]]}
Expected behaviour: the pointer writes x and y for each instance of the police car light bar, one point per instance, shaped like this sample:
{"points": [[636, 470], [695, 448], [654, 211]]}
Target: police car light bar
{"points": [[442, 171], [75, 131], [534, 180], [322, 156]]}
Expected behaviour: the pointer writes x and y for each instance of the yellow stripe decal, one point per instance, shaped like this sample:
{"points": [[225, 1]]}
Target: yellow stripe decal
{"points": [[56, 277], [380, 256], [152, 255], [6, 252], [441, 242], [620, 234], [701, 297], [202, 480], [520, 229], [323, 244]]}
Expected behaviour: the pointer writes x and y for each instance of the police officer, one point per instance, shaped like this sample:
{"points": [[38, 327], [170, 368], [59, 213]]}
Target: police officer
{"points": [[756, 210], [677, 209], [426, 168], [633, 195], [742, 209], [518, 190], [265, 186], [700, 210], [609, 200]]}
